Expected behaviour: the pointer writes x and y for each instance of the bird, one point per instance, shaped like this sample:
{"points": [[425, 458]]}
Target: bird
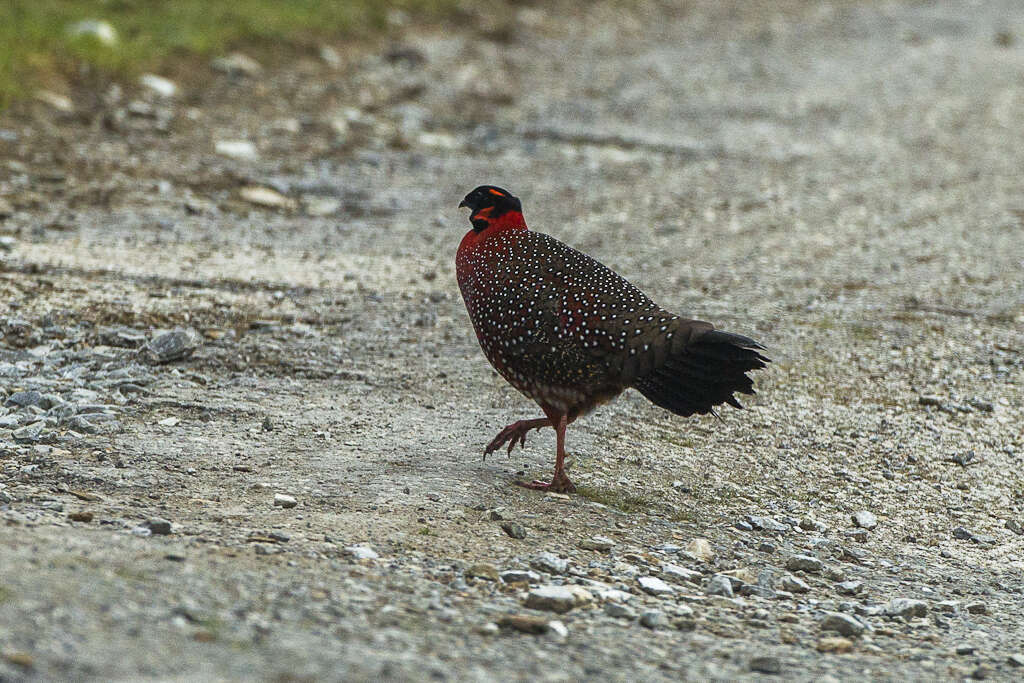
{"points": [[571, 334]]}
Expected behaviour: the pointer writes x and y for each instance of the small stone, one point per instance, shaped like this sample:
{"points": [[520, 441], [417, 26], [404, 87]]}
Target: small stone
{"points": [[719, 585], [321, 206], [935, 401], [283, 500], [330, 56], [264, 196], [83, 516], [654, 586], [514, 529], [907, 608], [101, 31], [557, 630], [811, 524], [619, 611], [844, 624], [701, 549], [29, 433], [677, 574], [1015, 526], [1016, 660], [654, 619], [488, 629], [237, 64], [362, 552], [849, 587], [767, 524], [24, 399], [496, 514], [178, 344], [551, 598], [765, 664], [236, 149], [434, 496], [793, 584], [519, 576], [865, 519], [965, 649], [169, 421], [804, 563], [524, 623], [981, 673], [7, 242], [947, 606], [859, 535], [158, 526], [483, 570], [962, 533], [158, 84], [977, 608], [835, 645], [598, 543], [550, 563]]}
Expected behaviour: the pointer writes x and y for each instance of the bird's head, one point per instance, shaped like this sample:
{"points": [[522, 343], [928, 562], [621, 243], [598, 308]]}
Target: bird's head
{"points": [[491, 207]]}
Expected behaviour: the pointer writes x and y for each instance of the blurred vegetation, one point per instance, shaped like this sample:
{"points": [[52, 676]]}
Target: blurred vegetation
{"points": [[37, 47]]}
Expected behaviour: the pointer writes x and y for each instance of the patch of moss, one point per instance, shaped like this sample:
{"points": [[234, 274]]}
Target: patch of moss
{"points": [[616, 498]]}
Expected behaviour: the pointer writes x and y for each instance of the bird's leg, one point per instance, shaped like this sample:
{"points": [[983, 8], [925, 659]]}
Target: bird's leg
{"points": [[560, 481], [515, 433]]}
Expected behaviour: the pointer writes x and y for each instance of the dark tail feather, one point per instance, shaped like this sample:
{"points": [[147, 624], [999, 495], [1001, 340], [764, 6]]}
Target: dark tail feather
{"points": [[705, 374]]}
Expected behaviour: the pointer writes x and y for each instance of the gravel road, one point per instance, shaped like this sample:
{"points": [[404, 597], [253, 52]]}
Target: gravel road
{"points": [[242, 410]]}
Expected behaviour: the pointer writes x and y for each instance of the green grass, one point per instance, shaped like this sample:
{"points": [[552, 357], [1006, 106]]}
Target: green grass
{"points": [[615, 498], [36, 49]]}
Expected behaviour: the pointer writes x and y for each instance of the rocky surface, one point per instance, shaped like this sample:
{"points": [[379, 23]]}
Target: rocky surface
{"points": [[242, 411]]}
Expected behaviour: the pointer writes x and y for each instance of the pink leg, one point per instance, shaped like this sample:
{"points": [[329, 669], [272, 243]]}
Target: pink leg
{"points": [[560, 481], [515, 433]]}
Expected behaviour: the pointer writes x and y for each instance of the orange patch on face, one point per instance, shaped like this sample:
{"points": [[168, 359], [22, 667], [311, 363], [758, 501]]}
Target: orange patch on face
{"points": [[483, 213], [496, 192]]}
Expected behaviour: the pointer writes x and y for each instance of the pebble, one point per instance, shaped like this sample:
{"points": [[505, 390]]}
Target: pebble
{"points": [[767, 524], [97, 29], [598, 543], [236, 149], [285, 501], [29, 433], [677, 574], [865, 519], [264, 196], [362, 552], [558, 631], [514, 529], [524, 623], [849, 587], [977, 608], [765, 664], [844, 624], [158, 526], [551, 598], [619, 611], [907, 608], [793, 584], [519, 576], [655, 586], [804, 563], [482, 570], [550, 563], [1016, 660], [654, 619], [719, 585], [834, 644], [158, 84], [178, 344], [321, 206], [701, 549], [237, 64]]}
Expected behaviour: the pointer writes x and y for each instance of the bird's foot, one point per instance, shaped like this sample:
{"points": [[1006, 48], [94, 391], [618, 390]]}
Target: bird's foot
{"points": [[514, 434], [559, 484]]}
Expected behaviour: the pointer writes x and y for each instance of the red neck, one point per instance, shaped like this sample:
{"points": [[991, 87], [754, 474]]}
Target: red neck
{"points": [[508, 221]]}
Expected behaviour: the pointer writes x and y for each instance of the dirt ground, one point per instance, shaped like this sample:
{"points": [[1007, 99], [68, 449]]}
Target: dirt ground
{"points": [[841, 181]]}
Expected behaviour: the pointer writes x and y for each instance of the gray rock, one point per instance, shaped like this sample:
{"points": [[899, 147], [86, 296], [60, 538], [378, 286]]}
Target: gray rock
{"points": [[977, 607], [619, 611], [237, 64], [767, 524], [519, 576], [654, 619], [907, 608], [549, 563], [12, 421], [849, 587], [362, 552], [719, 585], [1015, 526], [1016, 659], [598, 543], [865, 519], [765, 664], [29, 433], [842, 623], [24, 399], [514, 529], [158, 526], [551, 599], [677, 574], [811, 524], [655, 586], [177, 344], [96, 29], [965, 649], [283, 500], [804, 563], [793, 584]]}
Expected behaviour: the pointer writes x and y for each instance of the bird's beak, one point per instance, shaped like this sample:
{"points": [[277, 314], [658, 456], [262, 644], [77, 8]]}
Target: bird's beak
{"points": [[463, 204]]}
